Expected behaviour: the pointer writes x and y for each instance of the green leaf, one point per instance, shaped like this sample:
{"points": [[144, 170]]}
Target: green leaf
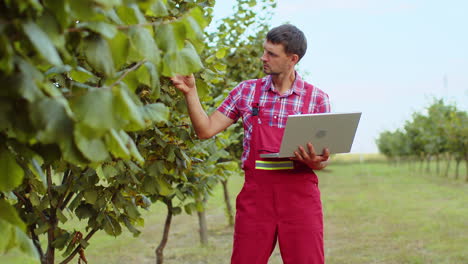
{"points": [[130, 227], [105, 29], [92, 148], [130, 14], [11, 174], [184, 62], [154, 77], [42, 43], [203, 88], [7, 236], [9, 214], [169, 38], [25, 243], [61, 217], [107, 4], [109, 171], [50, 89], [82, 10], [91, 196], [135, 152], [164, 188], [80, 74], [132, 210], [123, 139], [51, 119], [57, 70], [221, 53], [71, 153], [24, 83], [37, 170], [61, 241], [220, 66], [117, 145], [49, 24], [61, 11], [119, 46], [126, 108], [84, 211], [98, 54], [6, 49], [41, 228], [158, 9], [143, 46], [112, 226], [157, 113], [95, 110]]}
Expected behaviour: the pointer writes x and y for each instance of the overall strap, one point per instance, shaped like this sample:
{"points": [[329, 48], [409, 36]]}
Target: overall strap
{"points": [[309, 88], [256, 101]]}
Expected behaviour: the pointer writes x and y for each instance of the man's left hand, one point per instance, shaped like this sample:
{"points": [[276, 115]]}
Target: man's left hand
{"points": [[310, 158]]}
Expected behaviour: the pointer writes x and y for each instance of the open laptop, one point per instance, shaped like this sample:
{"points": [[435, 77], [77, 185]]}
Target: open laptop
{"points": [[334, 131]]}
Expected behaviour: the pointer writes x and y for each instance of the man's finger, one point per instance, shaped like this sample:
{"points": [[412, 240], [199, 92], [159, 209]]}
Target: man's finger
{"points": [[298, 156], [311, 149], [326, 154], [303, 153]]}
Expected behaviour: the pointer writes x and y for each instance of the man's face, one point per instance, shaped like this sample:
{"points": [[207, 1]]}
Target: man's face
{"points": [[275, 60]]}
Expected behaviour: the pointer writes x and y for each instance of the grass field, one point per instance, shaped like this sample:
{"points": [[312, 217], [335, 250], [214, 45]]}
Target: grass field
{"points": [[374, 213]]}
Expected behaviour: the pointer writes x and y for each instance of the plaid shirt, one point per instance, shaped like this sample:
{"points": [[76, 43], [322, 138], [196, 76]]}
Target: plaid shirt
{"points": [[275, 106]]}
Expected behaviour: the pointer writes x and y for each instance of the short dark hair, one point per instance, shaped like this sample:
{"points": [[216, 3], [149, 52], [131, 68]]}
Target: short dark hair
{"points": [[292, 39]]}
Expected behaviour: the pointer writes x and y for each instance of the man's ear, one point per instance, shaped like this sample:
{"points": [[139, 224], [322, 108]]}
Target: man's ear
{"points": [[294, 58]]}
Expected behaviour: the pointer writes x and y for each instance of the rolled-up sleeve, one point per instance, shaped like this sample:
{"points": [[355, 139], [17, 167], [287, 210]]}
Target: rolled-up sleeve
{"points": [[229, 107], [321, 102]]}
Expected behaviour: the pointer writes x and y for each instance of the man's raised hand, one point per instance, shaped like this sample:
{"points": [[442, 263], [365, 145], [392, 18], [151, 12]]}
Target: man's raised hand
{"points": [[185, 84]]}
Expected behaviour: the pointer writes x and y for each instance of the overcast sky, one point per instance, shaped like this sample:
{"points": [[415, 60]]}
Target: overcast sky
{"points": [[386, 59]]}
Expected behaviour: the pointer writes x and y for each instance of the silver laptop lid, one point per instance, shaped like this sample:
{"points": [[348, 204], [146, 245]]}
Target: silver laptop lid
{"points": [[334, 131]]}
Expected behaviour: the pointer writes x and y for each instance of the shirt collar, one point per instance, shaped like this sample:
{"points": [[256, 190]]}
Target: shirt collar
{"points": [[297, 87]]}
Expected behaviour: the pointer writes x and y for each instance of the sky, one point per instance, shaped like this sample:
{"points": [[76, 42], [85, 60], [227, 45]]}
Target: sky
{"points": [[386, 59]]}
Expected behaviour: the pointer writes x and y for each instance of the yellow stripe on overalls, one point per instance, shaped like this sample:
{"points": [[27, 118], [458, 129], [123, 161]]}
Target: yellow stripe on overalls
{"points": [[274, 165]]}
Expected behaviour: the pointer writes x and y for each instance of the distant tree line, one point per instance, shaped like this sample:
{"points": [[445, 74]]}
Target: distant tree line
{"points": [[441, 133]]}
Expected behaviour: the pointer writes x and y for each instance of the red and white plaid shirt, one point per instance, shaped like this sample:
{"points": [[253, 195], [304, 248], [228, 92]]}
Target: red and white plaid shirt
{"points": [[239, 104]]}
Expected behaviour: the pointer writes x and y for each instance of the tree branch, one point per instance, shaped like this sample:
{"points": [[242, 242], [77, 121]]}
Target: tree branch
{"points": [[79, 247], [49, 185], [133, 68], [125, 27], [67, 180], [66, 201], [29, 208]]}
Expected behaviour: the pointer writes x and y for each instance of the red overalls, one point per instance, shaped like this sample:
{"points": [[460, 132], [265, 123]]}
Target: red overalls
{"points": [[280, 200]]}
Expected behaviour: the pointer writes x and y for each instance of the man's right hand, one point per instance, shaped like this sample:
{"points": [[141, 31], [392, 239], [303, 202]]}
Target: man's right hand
{"points": [[185, 84]]}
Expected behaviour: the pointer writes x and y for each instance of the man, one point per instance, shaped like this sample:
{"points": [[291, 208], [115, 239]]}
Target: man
{"points": [[280, 199]]}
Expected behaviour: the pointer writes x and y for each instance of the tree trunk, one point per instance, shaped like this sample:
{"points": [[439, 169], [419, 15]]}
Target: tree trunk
{"points": [[227, 200], [457, 167], [167, 225], [50, 253], [203, 229], [428, 164], [449, 159], [466, 169], [437, 164]]}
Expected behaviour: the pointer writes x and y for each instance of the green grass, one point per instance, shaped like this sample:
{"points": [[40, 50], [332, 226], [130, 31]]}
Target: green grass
{"points": [[374, 213]]}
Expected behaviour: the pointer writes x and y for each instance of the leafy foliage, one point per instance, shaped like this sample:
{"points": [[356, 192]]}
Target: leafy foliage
{"points": [[442, 130], [85, 108], [90, 126]]}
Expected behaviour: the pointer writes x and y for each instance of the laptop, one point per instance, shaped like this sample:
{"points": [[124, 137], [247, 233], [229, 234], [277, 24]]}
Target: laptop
{"points": [[334, 131]]}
